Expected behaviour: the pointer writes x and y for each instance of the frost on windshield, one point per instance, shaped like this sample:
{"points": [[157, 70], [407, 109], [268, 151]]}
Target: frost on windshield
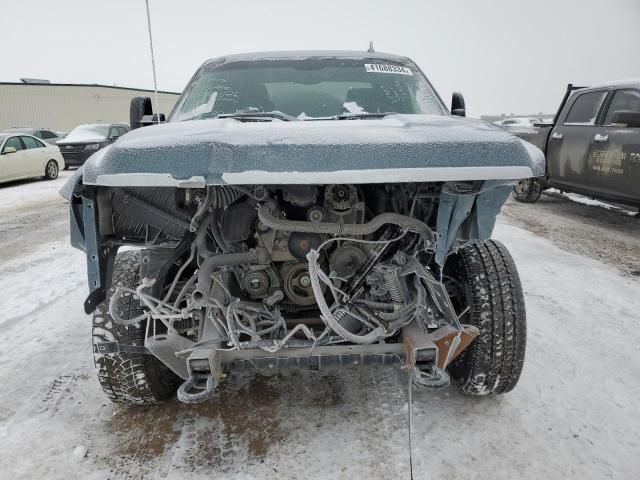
{"points": [[398, 96], [426, 97], [318, 87], [200, 109], [207, 99], [352, 107]]}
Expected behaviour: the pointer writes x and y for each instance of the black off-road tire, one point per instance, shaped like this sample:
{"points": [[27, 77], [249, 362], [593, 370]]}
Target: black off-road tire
{"points": [[51, 170], [128, 378], [486, 280], [528, 190]]}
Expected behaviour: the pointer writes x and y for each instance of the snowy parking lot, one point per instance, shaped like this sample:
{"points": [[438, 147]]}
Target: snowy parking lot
{"points": [[573, 414]]}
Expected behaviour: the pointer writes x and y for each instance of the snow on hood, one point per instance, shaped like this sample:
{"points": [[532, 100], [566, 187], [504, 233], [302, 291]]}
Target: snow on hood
{"points": [[395, 148], [86, 134], [80, 139]]}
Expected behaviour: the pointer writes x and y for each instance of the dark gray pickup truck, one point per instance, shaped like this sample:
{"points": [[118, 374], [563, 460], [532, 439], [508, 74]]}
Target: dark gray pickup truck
{"points": [[592, 147]]}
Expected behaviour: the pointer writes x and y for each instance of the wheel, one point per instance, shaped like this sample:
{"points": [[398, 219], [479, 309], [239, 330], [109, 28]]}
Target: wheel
{"points": [[128, 378], [528, 190], [484, 285], [139, 107], [51, 170]]}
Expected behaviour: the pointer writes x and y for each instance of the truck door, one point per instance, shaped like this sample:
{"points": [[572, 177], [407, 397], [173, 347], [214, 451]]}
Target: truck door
{"points": [[570, 139], [614, 156]]}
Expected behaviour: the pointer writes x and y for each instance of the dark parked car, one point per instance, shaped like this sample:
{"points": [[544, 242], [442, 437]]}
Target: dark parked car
{"points": [[43, 134], [592, 147], [85, 140]]}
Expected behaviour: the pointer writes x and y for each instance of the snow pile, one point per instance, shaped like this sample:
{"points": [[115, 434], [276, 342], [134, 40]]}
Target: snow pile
{"points": [[352, 107], [592, 202], [79, 453], [17, 196]]}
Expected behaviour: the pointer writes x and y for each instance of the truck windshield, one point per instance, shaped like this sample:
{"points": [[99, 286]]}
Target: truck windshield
{"points": [[311, 88]]}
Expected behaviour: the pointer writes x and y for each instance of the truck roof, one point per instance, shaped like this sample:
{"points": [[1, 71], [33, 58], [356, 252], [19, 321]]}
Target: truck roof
{"points": [[302, 54], [627, 82]]}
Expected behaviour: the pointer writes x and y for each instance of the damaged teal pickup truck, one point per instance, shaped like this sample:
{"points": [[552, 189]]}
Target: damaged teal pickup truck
{"points": [[301, 210]]}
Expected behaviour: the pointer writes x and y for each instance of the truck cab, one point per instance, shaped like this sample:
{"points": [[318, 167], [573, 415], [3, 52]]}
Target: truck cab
{"points": [[593, 148]]}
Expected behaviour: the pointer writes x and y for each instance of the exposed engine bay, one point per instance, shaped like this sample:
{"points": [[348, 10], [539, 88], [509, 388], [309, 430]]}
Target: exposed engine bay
{"points": [[281, 229], [285, 267]]}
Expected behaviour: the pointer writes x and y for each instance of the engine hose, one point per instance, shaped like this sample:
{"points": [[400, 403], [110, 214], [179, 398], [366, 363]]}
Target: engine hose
{"points": [[400, 313], [385, 306], [209, 222], [255, 256], [222, 196], [217, 234], [388, 311], [188, 284], [333, 228], [327, 316], [257, 308]]}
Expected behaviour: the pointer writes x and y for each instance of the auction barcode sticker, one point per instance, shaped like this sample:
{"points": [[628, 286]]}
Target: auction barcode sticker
{"points": [[385, 68]]}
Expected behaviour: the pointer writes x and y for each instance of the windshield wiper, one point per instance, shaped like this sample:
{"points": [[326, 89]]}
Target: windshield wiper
{"points": [[258, 116], [357, 116]]}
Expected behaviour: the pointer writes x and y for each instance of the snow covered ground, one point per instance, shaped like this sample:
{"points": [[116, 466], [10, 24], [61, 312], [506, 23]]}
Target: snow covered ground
{"points": [[573, 414]]}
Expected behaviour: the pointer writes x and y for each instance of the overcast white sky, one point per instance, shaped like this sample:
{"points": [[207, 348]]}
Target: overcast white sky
{"points": [[503, 55]]}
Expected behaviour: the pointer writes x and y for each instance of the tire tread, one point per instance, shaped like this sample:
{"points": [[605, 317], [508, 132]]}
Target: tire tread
{"points": [[128, 378], [492, 364]]}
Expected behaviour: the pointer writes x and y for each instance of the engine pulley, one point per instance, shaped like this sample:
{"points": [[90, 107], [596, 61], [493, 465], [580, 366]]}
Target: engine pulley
{"points": [[256, 283], [340, 197], [301, 243], [297, 283], [347, 260]]}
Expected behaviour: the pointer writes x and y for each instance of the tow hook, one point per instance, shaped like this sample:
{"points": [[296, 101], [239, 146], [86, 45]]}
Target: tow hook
{"points": [[433, 378], [203, 366], [200, 395]]}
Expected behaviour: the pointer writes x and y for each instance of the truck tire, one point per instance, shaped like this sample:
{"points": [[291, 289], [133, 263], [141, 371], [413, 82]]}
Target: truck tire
{"points": [[528, 190], [483, 278], [128, 378]]}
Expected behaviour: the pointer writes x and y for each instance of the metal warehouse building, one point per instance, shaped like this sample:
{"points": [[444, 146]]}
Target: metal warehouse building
{"points": [[61, 107]]}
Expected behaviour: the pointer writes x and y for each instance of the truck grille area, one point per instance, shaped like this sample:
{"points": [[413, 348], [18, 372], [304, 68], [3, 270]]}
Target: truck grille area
{"points": [[150, 214]]}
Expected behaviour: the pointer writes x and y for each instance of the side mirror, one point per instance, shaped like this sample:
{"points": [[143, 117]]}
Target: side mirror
{"points": [[138, 109], [9, 150], [457, 105], [626, 117], [152, 119]]}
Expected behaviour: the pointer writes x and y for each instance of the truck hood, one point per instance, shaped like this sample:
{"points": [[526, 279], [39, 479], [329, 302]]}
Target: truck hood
{"points": [[397, 148]]}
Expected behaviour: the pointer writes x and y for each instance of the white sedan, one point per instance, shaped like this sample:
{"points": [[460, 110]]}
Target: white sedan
{"points": [[25, 156]]}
